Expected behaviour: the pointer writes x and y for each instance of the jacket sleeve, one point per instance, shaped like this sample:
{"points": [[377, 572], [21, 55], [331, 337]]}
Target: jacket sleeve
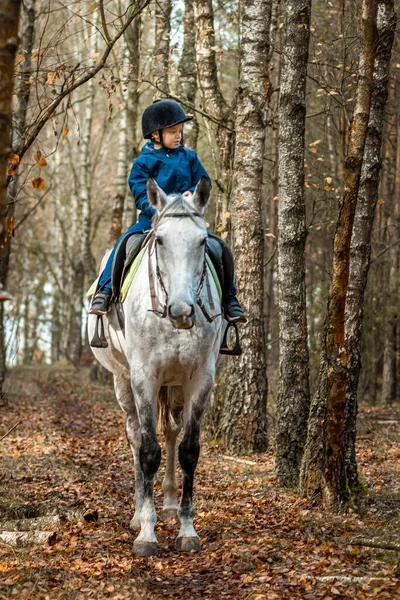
{"points": [[197, 170], [138, 185]]}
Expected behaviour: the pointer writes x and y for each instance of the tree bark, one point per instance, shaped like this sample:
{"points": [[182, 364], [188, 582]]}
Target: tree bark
{"points": [[243, 420], [121, 183], [392, 239], [133, 39], [161, 46], [294, 393], [360, 251], [323, 470], [187, 69], [18, 135], [217, 107], [9, 17], [85, 173]]}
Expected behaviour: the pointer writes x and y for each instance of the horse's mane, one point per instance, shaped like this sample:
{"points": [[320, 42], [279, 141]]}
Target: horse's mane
{"points": [[177, 205]]}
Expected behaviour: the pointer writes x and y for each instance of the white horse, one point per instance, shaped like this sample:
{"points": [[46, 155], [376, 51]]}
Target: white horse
{"points": [[166, 363]]}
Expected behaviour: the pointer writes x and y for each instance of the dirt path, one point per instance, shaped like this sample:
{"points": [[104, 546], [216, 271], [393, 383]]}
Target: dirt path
{"points": [[259, 542]]}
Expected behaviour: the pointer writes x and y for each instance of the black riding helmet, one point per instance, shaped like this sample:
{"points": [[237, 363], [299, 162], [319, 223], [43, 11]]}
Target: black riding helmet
{"points": [[161, 114]]}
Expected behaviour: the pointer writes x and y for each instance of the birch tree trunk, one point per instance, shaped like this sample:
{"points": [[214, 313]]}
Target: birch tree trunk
{"points": [[9, 17], [85, 170], [76, 281], [187, 69], [323, 470], [216, 106], [293, 394], [243, 419], [60, 271], [121, 183], [161, 46], [133, 39]]}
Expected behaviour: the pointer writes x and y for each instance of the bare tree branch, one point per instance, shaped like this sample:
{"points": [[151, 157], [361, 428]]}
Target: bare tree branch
{"points": [[49, 110]]}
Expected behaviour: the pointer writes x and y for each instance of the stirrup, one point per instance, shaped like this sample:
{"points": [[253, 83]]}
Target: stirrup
{"points": [[99, 340], [236, 350]]}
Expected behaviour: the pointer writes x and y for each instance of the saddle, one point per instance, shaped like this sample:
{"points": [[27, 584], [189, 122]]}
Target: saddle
{"points": [[131, 244], [221, 258], [126, 252]]}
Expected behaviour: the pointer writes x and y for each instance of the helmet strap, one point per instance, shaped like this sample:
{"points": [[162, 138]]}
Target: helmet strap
{"points": [[161, 139]]}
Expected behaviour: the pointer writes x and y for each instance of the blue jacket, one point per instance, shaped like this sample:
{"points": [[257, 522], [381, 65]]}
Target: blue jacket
{"points": [[177, 170]]}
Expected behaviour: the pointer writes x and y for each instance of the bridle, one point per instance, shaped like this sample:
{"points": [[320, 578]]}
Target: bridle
{"points": [[204, 279]]}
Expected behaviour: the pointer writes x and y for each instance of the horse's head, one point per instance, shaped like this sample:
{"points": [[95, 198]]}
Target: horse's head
{"points": [[180, 237]]}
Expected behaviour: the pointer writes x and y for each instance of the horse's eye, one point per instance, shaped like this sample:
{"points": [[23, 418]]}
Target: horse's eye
{"points": [[159, 241], [203, 242]]}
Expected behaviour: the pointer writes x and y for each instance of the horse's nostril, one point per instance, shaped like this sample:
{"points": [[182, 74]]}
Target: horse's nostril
{"points": [[180, 310]]}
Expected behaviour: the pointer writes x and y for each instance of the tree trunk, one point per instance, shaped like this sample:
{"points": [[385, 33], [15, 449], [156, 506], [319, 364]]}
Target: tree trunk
{"points": [[85, 173], [18, 132], [216, 106], [323, 470], [122, 157], [133, 39], [293, 394], [243, 419], [9, 16], [360, 252], [161, 46], [187, 69]]}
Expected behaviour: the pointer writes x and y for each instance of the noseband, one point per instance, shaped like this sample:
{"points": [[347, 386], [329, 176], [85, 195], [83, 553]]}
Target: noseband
{"points": [[210, 316]]}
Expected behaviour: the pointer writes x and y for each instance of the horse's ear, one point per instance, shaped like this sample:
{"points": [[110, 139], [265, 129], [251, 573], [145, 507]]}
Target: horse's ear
{"points": [[201, 194], [156, 195]]}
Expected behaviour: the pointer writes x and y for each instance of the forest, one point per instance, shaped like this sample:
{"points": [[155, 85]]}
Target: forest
{"points": [[296, 120]]}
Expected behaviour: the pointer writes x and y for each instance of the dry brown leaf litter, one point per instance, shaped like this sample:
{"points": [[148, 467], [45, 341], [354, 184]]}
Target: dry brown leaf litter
{"points": [[259, 542]]}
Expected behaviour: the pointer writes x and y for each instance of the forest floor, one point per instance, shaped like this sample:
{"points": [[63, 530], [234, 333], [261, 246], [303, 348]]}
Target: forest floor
{"points": [[259, 541]]}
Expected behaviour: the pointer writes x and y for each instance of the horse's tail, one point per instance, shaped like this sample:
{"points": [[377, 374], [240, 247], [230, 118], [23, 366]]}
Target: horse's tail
{"points": [[164, 416]]}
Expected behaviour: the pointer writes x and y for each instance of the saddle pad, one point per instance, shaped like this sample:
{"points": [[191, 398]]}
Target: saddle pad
{"points": [[92, 290], [136, 264], [133, 270], [128, 279]]}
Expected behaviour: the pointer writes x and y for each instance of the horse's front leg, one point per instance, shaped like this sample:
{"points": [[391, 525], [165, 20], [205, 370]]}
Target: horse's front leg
{"points": [[196, 399], [171, 427], [123, 392], [146, 395]]}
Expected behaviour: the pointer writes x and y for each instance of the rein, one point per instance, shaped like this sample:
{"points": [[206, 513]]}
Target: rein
{"points": [[212, 314]]}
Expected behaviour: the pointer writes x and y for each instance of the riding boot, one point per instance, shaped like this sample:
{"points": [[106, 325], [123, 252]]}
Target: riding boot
{"points": [[233, 311], [100, 303]]}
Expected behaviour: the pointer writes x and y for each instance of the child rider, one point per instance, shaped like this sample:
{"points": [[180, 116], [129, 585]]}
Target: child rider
{"points": [[176, 169]]}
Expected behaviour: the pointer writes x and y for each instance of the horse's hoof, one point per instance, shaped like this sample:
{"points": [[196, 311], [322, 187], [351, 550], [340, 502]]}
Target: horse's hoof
{"points": [[169, 513], [145, 548], [186, 544], [135, 523]]}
